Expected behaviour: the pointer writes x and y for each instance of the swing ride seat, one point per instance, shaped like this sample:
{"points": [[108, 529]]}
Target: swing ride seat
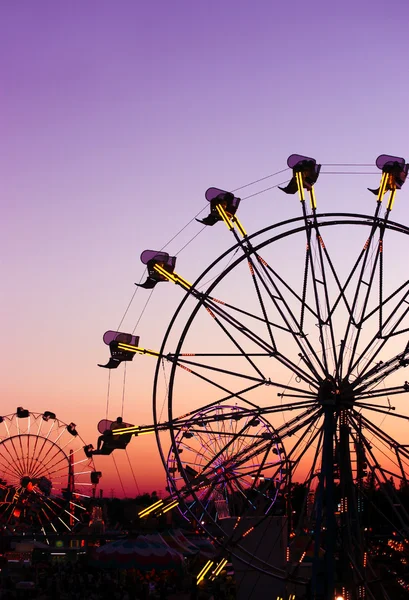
{"points": [[151, 258], [226, 200], [396, 168], [110, 441], [307, 167], [118, 355]]}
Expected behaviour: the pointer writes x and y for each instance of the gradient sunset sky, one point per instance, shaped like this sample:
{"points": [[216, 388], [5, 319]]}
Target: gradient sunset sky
{"points": [[115, 118]]}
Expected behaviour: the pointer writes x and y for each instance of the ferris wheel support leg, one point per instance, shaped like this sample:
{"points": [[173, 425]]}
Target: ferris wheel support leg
{"points": [[328, 469], [324, 581]]}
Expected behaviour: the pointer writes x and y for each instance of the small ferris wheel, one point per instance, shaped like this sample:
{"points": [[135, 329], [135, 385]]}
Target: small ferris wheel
{"points": [[44, 477], [234, 459]]}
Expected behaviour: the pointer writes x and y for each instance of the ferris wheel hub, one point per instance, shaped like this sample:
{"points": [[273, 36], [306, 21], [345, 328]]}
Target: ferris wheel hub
{"points": [[340, 395]]}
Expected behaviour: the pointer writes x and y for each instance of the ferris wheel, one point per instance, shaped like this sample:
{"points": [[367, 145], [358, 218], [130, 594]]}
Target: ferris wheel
{"points": [[44, 476], [234, 458], [307, 322]]}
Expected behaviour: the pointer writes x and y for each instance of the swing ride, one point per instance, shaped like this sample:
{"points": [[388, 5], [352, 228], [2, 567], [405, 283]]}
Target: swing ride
{"points": [[44, 476], [316, 344]]}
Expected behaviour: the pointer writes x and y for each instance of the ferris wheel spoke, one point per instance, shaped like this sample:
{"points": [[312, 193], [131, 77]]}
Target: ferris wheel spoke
{"points": [[10, 468], [187, 446], [362, 261], [296, 369], [270, 274], [235, 415], [193, 450], [260, 301], [315, 281], [241, 490], [49, 513], [56, 503], [250, 388], [37, 458], [285, 361], [241, 440], [237, 345], [11, 509], [377, 266], [311, 476], [248, 470], [302, 446], [299, 337], [13, 470], [265, 381], [388, 442], [47, 466], [204, 444], [33, 455], [381, 393], [374, 505], [212, 383], [369, 286], [205, 501], [220, 452], [248, 444], [322, 248], [22, 453], [216, 308], [388, 475], [239, 393], [299, 422], [383, 302], [203, 494], [187, 462], [211, 302], [18, 457], [220, 370], [324, 257], [49, 472], [404, 468], [6, 508], [13, 460], [276, 470], [235, 424], [240, 458], [381, 476], [223, 431], [383, 411], [261, 466], [42, 466], [387, 472], [269, 350], [381, 341], [220, 439], [249, 453], [381, 371], [300, 340], [301, 299]]}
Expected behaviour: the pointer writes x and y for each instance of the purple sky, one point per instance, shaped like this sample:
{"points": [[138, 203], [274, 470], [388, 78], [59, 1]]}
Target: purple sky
{"points": [[116, 117]]}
